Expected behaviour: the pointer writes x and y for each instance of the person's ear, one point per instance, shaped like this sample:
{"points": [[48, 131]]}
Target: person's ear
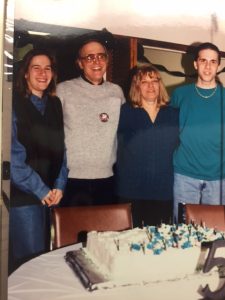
{"points": [[195, 65], [79, 63]]}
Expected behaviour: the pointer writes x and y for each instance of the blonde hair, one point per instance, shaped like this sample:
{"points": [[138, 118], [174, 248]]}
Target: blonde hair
{"points": [[135, 92]]}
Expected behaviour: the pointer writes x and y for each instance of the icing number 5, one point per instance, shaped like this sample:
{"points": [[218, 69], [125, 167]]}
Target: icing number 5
{"points": [[210, 262]]}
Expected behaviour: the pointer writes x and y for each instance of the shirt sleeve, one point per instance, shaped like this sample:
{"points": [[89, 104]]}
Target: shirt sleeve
{"points": [[22, 175], [175, 99], [61, 180]]}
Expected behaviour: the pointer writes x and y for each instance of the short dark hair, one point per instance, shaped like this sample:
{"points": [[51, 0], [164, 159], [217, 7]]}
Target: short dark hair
{"points": [[204, 46]]}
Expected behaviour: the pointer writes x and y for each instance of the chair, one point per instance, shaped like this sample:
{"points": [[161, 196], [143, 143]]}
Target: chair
{"points": [[71, 224], [211, 215]]}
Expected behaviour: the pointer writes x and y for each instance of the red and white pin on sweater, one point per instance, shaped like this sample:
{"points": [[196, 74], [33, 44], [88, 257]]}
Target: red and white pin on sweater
{"points": [[104, 117]]}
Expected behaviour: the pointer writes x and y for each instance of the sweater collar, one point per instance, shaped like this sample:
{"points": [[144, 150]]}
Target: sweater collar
{"points": [[85, 79]]}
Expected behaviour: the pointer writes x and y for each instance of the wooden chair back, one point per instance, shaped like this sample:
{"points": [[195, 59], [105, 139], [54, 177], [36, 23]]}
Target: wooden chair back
{"points": [[71, 224], [212, 216]]}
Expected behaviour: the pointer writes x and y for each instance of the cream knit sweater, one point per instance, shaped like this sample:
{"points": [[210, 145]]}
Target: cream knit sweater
{"points": [[91, 115]]}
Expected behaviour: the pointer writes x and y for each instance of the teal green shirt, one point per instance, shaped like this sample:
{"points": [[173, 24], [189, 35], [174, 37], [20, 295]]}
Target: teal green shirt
{"points": [[201, 142]]}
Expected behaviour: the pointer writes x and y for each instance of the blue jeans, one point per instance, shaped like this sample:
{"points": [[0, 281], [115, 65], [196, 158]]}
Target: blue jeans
{"points": [[196, 191], [29, 233]]}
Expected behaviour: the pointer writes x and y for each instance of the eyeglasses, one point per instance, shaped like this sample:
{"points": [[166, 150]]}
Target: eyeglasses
{"points": [[90, 58]]}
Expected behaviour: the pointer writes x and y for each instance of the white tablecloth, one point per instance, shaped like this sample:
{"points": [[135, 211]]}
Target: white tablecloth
{"points": [[48, 277]]}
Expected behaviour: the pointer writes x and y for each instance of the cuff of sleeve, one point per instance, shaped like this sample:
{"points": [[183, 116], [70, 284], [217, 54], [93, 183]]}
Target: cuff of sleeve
{"points": [[42, 193], [60, 184]]}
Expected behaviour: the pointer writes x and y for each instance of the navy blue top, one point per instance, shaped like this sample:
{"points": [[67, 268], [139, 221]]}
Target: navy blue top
{"points": [[144, 168]]}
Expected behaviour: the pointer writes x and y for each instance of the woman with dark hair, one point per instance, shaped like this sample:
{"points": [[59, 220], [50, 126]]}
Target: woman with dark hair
{"points": [[38, 160], [147, 137]]}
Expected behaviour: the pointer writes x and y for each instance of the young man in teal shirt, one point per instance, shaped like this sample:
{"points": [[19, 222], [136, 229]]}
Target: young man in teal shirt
{"points": [[199, 159]]}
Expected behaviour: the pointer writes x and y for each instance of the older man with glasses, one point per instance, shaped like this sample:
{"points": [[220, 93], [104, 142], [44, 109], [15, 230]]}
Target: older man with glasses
{"points": [[91, 107]]}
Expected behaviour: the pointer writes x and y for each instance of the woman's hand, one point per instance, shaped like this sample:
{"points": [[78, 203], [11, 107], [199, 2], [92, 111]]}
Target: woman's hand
{"points": [[48, 199], [52, 198], [57, 194]]}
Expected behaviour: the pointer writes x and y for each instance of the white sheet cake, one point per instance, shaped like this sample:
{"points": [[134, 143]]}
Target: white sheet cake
{"points": [[149, 254]]}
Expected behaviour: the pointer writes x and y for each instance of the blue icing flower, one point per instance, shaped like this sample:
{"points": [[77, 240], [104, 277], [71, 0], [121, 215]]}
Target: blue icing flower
{"points": [[150, 246], [152, 229], [158, 236], [136, 247], [157, 251], [154, 240], [186, 245]]}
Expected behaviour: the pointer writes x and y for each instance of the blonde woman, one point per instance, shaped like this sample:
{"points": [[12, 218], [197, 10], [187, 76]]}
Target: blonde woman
{"points": [[147, 137]]}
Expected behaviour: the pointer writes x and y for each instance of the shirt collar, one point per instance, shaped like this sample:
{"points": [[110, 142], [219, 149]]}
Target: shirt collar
{"points": [[36, 98], [39, 103], [85, 79]]}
